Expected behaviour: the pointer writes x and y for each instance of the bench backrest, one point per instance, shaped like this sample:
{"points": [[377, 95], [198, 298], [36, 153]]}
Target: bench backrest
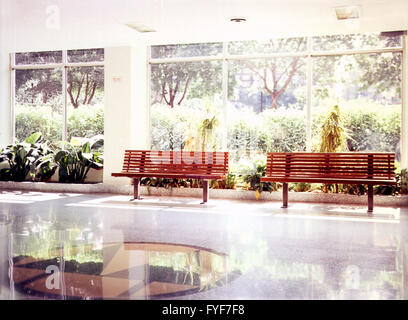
{"points": [[348, 165], [176, 162]]}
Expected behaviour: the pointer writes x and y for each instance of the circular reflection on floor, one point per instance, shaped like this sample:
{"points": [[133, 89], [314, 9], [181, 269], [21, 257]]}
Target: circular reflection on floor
{"points": [[122, 271]]}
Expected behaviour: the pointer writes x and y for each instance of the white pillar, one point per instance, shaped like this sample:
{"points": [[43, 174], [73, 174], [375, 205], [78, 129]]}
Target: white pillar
{"points": [[5, 109], [404, 98], [126, 106]]}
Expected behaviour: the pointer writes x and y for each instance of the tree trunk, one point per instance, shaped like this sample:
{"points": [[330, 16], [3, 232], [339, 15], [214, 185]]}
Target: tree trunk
{"points": [[274, 104], [92, 93], [86, 89], [71, 97]]}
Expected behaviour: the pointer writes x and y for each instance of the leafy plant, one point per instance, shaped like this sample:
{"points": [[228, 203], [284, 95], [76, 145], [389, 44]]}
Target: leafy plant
{"points": [[253, 179], [403, 180], [32, 157], [333, 133], [77, 157], [301, 187], [229, 183], [201, 135]]}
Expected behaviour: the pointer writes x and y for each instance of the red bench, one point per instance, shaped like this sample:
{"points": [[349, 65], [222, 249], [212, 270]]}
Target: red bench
{"points": [[204, 166], [367, 168]]}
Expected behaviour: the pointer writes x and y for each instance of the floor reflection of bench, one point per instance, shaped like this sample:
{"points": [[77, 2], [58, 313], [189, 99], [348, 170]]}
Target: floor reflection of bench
{"points": [[344, 168], [203, 166]]}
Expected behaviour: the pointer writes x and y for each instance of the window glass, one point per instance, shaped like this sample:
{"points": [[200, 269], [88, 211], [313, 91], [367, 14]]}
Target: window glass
{"points": [[366, 87], [266, 106], [38, 103], [85, 93], [186, 50], [356, 42], [268, 46], [186, 105], [45, 57], [87, 55]]}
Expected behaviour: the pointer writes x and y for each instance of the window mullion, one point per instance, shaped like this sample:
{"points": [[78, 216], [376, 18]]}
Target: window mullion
{"points": [[13, 96], [64, 95], [309, 88], [225, 95]]}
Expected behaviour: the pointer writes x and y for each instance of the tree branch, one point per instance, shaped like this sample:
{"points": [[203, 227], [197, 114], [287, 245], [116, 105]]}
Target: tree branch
{"points": [[184, 93]]}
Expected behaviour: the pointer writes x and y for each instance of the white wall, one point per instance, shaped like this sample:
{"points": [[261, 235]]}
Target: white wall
{"points": [[5, 116], [126, 106]]}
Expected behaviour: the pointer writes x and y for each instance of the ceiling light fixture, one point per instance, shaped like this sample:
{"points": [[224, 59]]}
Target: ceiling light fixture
{"points": [[238, 19], [348, 12], [140, 27]]}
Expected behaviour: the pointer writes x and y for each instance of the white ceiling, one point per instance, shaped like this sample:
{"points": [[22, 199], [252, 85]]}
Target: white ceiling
{"points": [[58, 24]]}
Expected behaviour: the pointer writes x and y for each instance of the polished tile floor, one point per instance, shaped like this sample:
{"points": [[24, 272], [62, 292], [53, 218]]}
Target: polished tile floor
{"points": [[77, 246]]}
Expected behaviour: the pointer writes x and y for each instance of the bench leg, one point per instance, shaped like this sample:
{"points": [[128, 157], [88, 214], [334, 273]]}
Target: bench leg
{"points": [[285, 195], [136, 189], [370, 199], [206, 191]]}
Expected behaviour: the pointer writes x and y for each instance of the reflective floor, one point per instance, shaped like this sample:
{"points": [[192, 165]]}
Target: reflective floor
{"points": [[75, 246]]}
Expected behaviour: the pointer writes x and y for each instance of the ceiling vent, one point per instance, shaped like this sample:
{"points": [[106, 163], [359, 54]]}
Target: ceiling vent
{"points": [[348, 12]]}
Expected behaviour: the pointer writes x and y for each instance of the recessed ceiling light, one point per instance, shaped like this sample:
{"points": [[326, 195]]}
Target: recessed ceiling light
{"points": [[238, 19], [140, 27], [348, 12]]}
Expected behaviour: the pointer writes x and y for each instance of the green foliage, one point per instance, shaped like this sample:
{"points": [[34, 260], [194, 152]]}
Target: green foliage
{"points": [[370, 126], [173, 83], [229, 183], [301, 187], [38, 119], [251, 171], [31, 157], [403, 181], [170, 183], [280, 130], [78, 157], [85, 121]]}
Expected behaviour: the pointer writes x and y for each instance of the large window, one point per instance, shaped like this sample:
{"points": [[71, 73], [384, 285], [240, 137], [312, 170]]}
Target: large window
{"points": [[59, 93], [366, 87], [266, 106], [251, 97], [38, 103], [186, 105]]}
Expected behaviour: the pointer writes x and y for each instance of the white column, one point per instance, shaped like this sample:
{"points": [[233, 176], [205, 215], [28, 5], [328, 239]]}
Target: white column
{"points": [[5, 109], [126, 106], [5, 88], [404, 98]]}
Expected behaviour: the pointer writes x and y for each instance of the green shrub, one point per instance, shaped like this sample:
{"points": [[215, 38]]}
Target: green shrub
{"points": [[370, 126], [31, 159], [85, 121], [77, 157], [38, 119]]}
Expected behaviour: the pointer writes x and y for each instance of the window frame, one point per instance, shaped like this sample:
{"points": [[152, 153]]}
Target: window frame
{"points": [[63, 66], [309, 53]]}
